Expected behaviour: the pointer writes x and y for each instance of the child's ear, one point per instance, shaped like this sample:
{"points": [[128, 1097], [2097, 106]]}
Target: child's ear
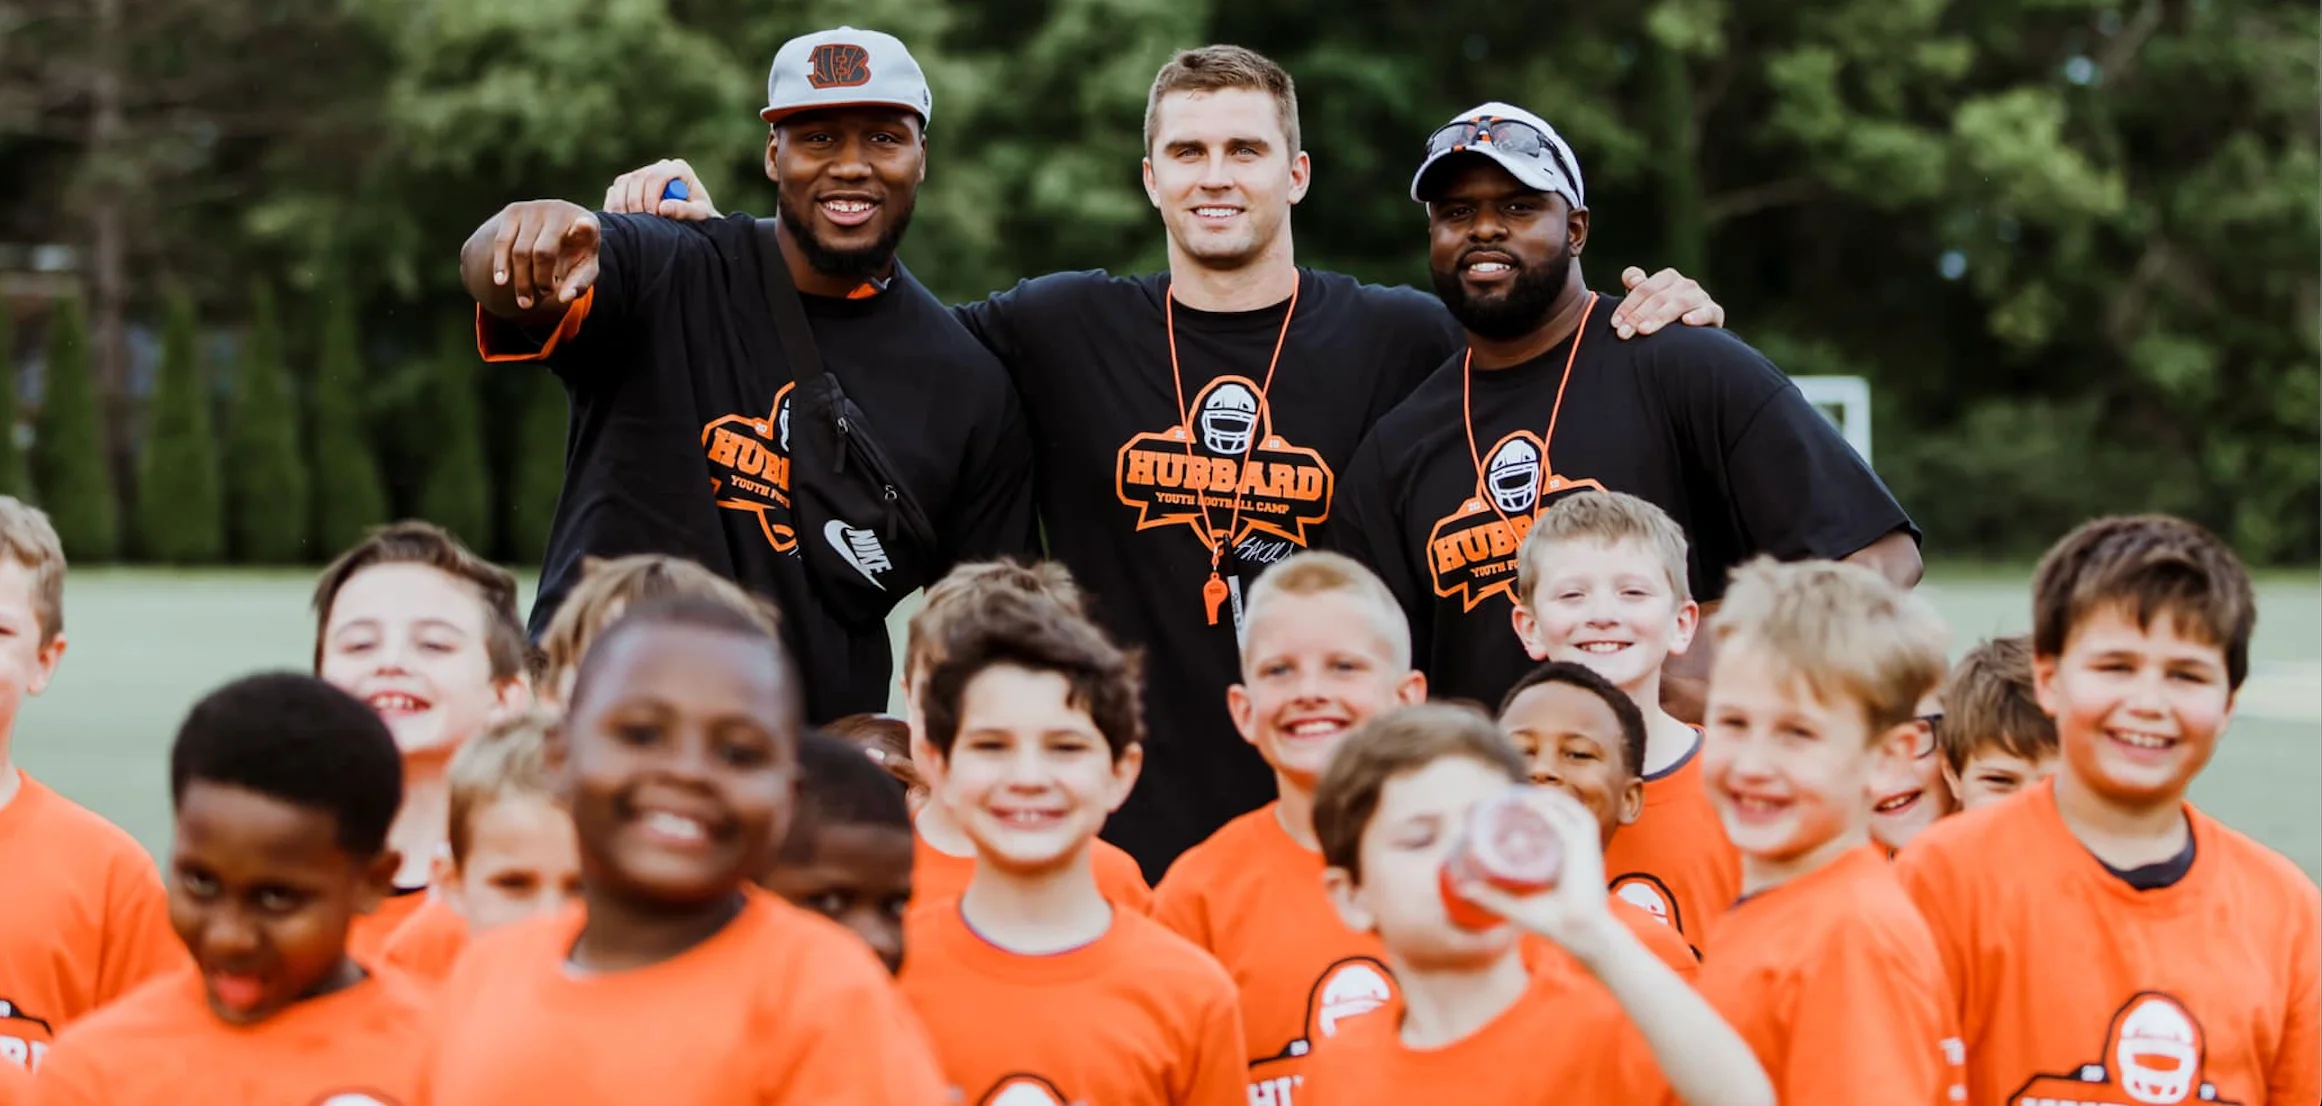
{"points": [[1688, 624], [45, 662], [1346, 897], [510, 697], [1411, 690], [1520, 616], [1950, 778], [1243, 711], [1632, 802], [925, 758], [2044, 685], [1126, 768], [378, 878], [443, 881]]}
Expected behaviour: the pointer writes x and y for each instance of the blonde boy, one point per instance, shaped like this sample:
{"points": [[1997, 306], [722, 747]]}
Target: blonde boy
{"points": [[1581, 1015], [1994, 738], [512, 853], [1601, 581], [1824, 965], [1033, 729], [1325, 647], [83, 918], [944, 859], [2191, 949]]}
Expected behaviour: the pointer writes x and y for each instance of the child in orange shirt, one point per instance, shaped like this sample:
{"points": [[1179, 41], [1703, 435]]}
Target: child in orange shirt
{"points": [[82, 914], [847, 856], [1995, 739], [425, 632], [1909, 794], [284, 789], [2109, 943], [680, 981], [512, 854], [609, 586], [1824, 966], [1325, 647], [945, 858], [1580, 1015], [1033, 986], [1601, 581]]}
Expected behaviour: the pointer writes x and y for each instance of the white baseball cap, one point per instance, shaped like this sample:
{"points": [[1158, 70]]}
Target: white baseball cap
{"points": [[1551, 168], [844, 68]]}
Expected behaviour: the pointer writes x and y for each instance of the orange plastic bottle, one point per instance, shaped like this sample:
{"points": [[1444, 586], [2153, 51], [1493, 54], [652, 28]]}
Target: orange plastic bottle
{"points": [[1507, 844]]}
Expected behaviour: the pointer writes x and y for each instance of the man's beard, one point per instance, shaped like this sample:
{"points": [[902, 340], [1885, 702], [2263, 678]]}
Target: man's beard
{"points": [[1511, 314], [848, 264]]}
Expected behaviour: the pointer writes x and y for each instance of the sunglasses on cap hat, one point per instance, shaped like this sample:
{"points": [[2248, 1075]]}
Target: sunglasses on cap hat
{"points": [[1513, 136]]}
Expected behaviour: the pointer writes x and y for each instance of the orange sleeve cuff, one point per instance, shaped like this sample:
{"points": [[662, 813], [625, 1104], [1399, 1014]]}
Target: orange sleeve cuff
{"points": [[499, 340]]}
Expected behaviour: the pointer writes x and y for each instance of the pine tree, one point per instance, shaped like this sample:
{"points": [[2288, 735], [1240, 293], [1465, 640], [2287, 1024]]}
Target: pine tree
{"points": [[68, 453], [349, 497], [458, 493], [267, 491], [181, 516], [12, 477], [539, 471]]}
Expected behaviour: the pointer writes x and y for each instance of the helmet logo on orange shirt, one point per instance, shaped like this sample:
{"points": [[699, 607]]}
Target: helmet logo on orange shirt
{"points": [[1647, 893], [1471, 552], [1225, 455], [1023, 1090], [354, 1098], [749, 464], [2153, 1058], [23, 1038]]}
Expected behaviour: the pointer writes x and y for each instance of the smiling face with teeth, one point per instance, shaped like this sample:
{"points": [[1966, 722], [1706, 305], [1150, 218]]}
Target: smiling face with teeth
{"points": [[1909, 794], [2138, 709], [410, 640], [1223, 176], [1314, 667], [847, 180], [1029, 776], [1503, 256], [1607, 605]]}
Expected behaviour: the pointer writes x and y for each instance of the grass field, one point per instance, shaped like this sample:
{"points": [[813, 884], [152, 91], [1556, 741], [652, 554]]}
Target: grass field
{"points": [[146, 644]]}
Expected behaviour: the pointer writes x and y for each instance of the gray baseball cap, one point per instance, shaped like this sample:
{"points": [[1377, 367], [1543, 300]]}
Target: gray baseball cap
{"points": [[1549, 168], [844, 68]]}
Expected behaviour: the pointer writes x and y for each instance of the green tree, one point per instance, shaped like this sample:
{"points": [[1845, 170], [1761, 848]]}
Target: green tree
{"points": [[181, 516], [349, 497], [12, 477], [458, 492], [539, 469], [68, 454], [268, 496]]}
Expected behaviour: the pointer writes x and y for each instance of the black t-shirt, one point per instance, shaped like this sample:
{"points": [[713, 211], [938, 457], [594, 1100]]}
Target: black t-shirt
{"points": [[679, 440], [1120, 461], [1690, 418]]}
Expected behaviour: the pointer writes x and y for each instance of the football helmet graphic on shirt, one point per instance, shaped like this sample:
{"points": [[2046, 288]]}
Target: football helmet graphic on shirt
{"points": [[352, 1098], [1648, 893], [1514, 475], [2153, 1057], [1023, 1090], [1229, 419]]}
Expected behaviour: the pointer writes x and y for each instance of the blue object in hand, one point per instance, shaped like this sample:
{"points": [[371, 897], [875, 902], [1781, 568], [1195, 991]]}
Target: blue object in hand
{"points": [[676, 190]]}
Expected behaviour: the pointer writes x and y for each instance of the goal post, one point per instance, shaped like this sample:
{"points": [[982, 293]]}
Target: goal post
{"points": [[1845, 400]]}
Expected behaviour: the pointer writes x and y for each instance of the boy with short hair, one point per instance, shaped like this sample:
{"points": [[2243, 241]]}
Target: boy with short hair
{"points": [[425, 632], [1824, 965], [945, 859], [847, 855], [1995, 739], [1032, 722], [1601, 581], [609, 586], [676, 979], [1912, 793], [2192, 950], [85, 918], [284, 788], [1324, 648], [1581, 1015], [511, 855]]}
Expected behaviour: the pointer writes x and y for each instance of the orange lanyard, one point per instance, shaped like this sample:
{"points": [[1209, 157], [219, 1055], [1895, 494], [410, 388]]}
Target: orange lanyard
{"points": [[1467, 413], [1214, 593]]}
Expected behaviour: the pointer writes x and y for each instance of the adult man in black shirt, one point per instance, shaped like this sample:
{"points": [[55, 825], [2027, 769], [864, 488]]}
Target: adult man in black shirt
{"points": [[1189, 427], [1544, 400], [665, 339]]}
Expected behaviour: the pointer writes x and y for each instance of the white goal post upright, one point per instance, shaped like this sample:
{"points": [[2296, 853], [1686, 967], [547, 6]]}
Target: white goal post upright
{"points": [[1846, 400]]}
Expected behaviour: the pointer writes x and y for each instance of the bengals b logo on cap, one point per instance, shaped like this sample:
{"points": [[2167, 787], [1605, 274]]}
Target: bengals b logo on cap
{"points": [[839, 65]]}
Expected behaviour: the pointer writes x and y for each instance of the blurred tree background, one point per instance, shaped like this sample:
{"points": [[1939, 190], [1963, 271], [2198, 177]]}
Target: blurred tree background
{"points": [[2073, 244]]}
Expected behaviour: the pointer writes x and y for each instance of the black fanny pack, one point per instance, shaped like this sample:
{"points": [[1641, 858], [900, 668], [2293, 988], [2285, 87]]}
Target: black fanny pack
{"points": [[865, 541]]}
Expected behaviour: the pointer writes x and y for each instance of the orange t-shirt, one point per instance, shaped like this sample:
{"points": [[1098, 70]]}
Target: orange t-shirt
{"points": [[938, 876], [1833, 980], [2075, 987], [367, 938], [1675, 860], [427, 943], [83, 919], [1567, 1042], [780, 1006], [163, 1046], [1137, 1017]]}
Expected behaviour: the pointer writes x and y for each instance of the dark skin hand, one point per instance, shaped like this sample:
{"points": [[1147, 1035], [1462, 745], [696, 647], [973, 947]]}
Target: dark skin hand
{"points": [[528, 263], [1685, 677]]}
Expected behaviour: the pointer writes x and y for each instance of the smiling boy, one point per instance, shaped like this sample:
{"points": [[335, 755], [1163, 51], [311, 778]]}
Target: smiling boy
{"points": [[847, 855], [284, 788]]}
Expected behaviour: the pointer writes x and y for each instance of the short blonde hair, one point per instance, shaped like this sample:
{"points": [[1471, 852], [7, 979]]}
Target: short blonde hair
{"points": [[509, 760], [1316, 572], [1844, 629], [29, 539], [608, 586], [966, 588], [1607, 517]]}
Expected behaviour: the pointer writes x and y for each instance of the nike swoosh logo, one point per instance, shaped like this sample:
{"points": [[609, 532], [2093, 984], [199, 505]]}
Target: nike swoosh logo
{"points": [[835, 532]]}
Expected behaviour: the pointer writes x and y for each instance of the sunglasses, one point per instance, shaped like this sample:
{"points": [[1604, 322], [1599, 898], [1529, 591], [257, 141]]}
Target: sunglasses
{"points": [[1512, 135]]}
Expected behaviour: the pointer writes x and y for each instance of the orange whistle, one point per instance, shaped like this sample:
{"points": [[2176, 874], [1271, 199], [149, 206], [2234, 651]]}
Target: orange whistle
{"points": [[1214, 594]]}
